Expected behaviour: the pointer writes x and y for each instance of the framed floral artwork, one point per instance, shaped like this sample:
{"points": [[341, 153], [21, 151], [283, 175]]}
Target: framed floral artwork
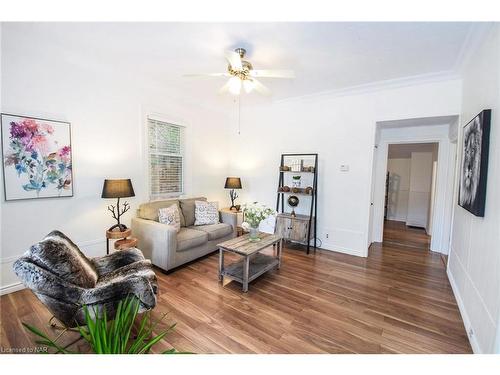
{"points": [[37, 161]]}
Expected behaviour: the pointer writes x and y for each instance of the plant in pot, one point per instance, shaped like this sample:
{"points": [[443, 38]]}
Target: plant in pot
{"points": [[296, 181], [125, 334], [253, 214]]}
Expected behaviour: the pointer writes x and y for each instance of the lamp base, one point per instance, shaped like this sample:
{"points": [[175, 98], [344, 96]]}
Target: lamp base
{"points": [[121, 227]]}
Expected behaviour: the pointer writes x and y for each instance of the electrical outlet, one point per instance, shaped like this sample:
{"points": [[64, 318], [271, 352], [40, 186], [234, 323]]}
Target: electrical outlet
{"points": [[326, 235], [471, 332]]}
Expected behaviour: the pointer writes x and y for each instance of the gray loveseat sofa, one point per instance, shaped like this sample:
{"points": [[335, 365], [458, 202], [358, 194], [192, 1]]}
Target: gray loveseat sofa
{"points": [[168, 249]]}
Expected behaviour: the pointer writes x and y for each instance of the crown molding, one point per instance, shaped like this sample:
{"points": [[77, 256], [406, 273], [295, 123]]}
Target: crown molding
{"points": [[389, 84]]}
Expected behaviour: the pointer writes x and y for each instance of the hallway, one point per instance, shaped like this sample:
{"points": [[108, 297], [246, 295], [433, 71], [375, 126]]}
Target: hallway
{"points": [[397, 233]]}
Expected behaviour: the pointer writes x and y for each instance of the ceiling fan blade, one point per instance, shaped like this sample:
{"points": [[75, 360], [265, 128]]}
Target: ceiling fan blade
{"points": [[234, 60], [207, 75], [259, 87], [272, 73], [224, 89]]}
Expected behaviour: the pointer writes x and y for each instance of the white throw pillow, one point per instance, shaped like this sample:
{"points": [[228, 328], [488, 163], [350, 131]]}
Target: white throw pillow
{"points": [[170, 216], [206, 213]]}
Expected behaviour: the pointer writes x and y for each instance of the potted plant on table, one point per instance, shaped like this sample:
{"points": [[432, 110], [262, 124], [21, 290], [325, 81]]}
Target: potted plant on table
{"points": [[253, 214]]}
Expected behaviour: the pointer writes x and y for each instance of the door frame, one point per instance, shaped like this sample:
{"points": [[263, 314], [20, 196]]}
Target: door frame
{"points": [[443, 207]]}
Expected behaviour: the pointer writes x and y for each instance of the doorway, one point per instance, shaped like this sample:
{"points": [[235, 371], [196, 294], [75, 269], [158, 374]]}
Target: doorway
{"points": [[441, 130], [410, 193]]}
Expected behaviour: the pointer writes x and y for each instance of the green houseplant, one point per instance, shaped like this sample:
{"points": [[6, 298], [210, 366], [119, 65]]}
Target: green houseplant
{"points": [[115, 336]]}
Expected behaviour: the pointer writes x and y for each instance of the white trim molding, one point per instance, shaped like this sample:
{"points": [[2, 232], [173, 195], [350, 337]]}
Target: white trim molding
{"points": [[465, 317], [11, 288]]}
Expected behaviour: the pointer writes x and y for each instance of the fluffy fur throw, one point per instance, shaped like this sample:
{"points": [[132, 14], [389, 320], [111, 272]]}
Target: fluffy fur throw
{"points": [[65, 280]]}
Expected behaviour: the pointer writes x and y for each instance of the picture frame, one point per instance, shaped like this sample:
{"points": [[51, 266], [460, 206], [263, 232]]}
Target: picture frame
{"points": [[474, 163], [37, 160]]}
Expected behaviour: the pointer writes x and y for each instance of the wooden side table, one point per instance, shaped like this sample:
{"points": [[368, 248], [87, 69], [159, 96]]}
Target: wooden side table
{"points": [[239, 219], [125, 243], [120, 236]]}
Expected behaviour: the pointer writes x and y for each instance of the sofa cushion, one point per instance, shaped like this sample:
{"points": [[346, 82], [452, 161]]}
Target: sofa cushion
{"points": [[215, 231], [149, 211], [170, 216], [206, 213], [58, 254], [187, 208], [188, 238]]}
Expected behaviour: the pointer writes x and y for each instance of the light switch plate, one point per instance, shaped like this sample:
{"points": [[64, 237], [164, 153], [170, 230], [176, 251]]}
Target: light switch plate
{"points": [[344, 168]]}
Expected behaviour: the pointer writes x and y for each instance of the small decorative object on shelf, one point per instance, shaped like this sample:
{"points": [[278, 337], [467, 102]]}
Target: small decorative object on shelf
{"points": [[118, 189], [309, 190], [308, 169], [286, 189], [254, 213], [293, 202], [285, 168], [295, 190], [296, 181], [296, 165]]}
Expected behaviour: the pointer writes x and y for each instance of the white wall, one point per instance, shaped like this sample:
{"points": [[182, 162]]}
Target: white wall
{"points": [[107, 114], [399, 188], [420, 189], [342, 131], [474, 261]]}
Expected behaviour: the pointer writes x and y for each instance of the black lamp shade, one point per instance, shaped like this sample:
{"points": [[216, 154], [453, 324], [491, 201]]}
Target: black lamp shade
{"points": [[232, 183], [117, 189]]}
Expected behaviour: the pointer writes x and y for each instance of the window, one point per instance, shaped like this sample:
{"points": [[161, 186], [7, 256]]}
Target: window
{"points": [[166, 159]]}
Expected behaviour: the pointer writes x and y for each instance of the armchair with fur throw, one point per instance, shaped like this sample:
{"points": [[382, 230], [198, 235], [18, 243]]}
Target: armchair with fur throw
{"points": [[65, 280]]}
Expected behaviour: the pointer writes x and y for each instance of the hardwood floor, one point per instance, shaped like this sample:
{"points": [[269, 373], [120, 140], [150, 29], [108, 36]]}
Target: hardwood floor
{"points": [[397, 233], [397, 300]]}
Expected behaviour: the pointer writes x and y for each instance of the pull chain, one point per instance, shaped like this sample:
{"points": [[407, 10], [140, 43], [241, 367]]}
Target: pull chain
{"points": [[239, 114]]}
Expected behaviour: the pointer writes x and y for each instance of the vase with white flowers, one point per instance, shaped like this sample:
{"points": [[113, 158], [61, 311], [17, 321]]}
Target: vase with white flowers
{"points": [[253, 214]]}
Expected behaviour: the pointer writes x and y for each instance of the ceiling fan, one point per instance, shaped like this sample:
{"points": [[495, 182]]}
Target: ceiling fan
{"points": [[242, 74]]}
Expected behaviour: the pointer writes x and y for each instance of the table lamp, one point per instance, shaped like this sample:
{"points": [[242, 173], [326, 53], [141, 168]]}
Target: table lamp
{"points": [[118, 189], [233, 183]]}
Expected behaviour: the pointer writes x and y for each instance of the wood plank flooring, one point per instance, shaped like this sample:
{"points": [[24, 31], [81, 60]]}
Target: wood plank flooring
{"points": [[397, 233], [398, 300]]}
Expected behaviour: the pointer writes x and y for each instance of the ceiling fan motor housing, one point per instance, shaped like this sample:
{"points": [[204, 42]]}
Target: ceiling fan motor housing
{"points": [[242, 74]]}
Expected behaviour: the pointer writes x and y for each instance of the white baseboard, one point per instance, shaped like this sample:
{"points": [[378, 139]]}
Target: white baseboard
{"points": [[11, 288], [465, 317], [343, 250]]}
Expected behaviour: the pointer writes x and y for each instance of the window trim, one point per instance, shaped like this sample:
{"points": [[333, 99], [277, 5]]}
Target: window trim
{"points": [[183, 127]]}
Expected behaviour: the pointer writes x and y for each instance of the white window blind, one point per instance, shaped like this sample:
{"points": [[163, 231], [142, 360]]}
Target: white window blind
{"points": [[166, 159]]}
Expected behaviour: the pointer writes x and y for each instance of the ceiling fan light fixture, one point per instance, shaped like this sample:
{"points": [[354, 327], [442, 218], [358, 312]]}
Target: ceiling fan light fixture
{"points": [[234, 85], [248, 85]]}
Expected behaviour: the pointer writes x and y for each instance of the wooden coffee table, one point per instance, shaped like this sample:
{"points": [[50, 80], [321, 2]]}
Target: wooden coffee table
{"points": [[253, 263]]}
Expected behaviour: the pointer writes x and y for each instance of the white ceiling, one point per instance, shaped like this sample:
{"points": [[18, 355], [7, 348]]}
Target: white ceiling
{"points": [[325, 56]]}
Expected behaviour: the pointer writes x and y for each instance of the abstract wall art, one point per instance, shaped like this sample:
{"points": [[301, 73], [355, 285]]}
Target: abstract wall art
{"points": [[37, 161]]}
